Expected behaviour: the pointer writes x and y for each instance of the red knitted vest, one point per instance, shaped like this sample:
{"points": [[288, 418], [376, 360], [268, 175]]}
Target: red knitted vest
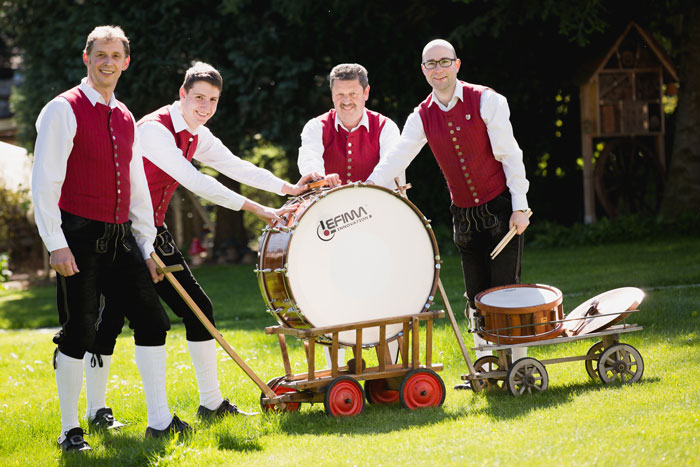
{"points": [[161, 185], [97, 184], [352, 155], [461, 145]]}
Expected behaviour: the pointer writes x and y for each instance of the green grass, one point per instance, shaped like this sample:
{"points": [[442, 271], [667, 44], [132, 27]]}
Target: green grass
{"points": [[575, 422]]}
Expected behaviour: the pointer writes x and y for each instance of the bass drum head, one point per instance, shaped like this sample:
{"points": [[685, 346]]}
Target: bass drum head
{"points": [[361, 253]]}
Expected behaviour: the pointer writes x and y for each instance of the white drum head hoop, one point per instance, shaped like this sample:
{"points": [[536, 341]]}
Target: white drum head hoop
{"points": [[519, 297], [360, 253]]}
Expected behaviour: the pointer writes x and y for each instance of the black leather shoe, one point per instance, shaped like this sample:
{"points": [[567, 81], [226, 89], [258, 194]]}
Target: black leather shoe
{"points": [[467, 385], [225, 408], [104, 420], [176, 426], [74, 441]]}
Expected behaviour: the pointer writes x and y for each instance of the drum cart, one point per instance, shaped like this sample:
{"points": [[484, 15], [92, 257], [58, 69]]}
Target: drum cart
{"points": [[608, 360], [413, 384]]}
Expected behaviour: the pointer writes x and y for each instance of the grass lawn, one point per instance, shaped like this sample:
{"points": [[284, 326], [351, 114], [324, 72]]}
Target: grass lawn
{"points": [[576, 421]]}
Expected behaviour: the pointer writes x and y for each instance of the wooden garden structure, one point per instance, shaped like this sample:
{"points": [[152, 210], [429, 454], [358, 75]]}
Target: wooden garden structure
{"points": [[622, 106]]}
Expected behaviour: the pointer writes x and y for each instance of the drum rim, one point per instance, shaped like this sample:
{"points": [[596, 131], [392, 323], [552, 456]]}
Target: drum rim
{"points": [[514, 310]]}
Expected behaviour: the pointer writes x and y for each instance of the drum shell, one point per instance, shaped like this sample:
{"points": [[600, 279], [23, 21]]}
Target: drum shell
{"points": [[514, 325]]}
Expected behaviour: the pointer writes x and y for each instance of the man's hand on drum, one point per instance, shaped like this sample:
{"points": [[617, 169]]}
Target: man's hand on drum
{"points": [[332, 180], [267, 214], [519, 219]]}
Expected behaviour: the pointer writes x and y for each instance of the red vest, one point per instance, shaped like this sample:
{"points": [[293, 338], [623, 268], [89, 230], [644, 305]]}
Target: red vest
{"points": [[461, 145], [97, 184], [352, 155], [161, 185]]}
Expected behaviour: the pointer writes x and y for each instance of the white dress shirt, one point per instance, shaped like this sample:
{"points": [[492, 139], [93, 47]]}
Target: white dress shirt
{"points": [[495, 114], [56, 127], [159, 147], [311, 150]]}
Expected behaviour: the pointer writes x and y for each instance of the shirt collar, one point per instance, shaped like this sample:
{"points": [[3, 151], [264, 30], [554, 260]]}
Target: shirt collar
{"points": [[179, 123], [94, 97], [364, 121], [457, 95]]}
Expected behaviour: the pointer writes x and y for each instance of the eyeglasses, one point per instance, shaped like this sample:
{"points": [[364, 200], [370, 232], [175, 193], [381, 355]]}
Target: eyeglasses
{"points": [[443, 62]]}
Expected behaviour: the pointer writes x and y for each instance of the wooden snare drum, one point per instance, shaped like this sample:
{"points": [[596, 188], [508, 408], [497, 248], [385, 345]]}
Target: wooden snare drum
{"points": [[513, 314], [349, 254]]}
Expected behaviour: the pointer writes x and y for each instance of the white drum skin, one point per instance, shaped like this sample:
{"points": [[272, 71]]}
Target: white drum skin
{"points": [[349, 254]]}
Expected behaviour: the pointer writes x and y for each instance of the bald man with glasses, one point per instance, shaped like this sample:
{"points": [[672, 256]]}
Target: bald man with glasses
{"points": [[468, 129]]}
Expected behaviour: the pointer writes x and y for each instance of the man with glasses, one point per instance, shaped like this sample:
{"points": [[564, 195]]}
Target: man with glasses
{"points": [[468, 129]]}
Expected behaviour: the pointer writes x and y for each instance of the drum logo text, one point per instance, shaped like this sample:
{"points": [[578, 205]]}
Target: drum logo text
{"points": [[327, 228]]}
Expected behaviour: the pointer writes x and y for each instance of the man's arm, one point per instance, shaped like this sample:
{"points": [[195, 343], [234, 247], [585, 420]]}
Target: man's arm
{"points": [[387, 139], [402, 153], [496, 114], [56, 126], [311, 149]]}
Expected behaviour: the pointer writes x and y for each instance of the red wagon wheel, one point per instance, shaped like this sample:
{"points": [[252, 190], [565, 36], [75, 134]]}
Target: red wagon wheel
{"points": [[279, 390], [422, 388], [344, 397], [378, 392]]}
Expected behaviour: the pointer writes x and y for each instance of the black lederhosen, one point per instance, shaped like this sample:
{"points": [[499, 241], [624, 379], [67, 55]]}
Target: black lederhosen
{"points": [[477, 231], [112, 318], [111, 265]]}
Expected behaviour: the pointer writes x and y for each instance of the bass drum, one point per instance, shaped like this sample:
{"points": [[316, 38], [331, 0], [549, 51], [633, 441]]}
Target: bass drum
{"points": [[349, 254]]}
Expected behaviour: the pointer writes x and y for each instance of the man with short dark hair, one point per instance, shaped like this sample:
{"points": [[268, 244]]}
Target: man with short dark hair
{"points": [[92, 211], [171, 137], [469, 132]]}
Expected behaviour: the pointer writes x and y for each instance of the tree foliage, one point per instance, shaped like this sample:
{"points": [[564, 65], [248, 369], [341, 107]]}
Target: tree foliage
{"points": [[275, 56]]}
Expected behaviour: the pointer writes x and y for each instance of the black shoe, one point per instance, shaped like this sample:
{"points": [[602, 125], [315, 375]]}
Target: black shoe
{"points": [[74, 441], [467, 385], [225, 408], [104, 420], [176, 426]]}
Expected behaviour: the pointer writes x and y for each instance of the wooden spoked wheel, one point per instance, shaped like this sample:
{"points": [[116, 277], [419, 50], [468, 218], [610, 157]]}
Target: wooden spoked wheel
{"points": [[622, 363], [279, 390], [488, 364], [628, 178], [378, 392], [527, 375], [344, 397], [420, 388], [594, 354]]}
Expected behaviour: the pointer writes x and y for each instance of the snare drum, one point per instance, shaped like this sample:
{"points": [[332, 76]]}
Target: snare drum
{"points": [[349, 254], [518, 313]]}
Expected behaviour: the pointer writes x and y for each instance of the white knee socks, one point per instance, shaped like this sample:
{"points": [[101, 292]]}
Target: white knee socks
{"points": [[203, 356], [69, 382], [96, 382], [150, 361]]}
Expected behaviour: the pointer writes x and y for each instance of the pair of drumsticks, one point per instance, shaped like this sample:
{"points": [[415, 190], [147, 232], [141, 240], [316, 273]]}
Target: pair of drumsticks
{"points": [[507, 238]]}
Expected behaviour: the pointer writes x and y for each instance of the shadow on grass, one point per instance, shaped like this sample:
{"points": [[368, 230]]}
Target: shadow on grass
{"points": [[115, 449], [502, 405], [234, 443]]}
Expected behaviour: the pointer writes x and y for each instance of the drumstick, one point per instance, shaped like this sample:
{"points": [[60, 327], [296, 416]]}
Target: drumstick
{"points": [[507, 238]]}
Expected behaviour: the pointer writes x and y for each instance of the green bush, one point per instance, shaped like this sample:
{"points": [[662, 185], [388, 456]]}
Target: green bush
{"points": [[548, 234]]}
